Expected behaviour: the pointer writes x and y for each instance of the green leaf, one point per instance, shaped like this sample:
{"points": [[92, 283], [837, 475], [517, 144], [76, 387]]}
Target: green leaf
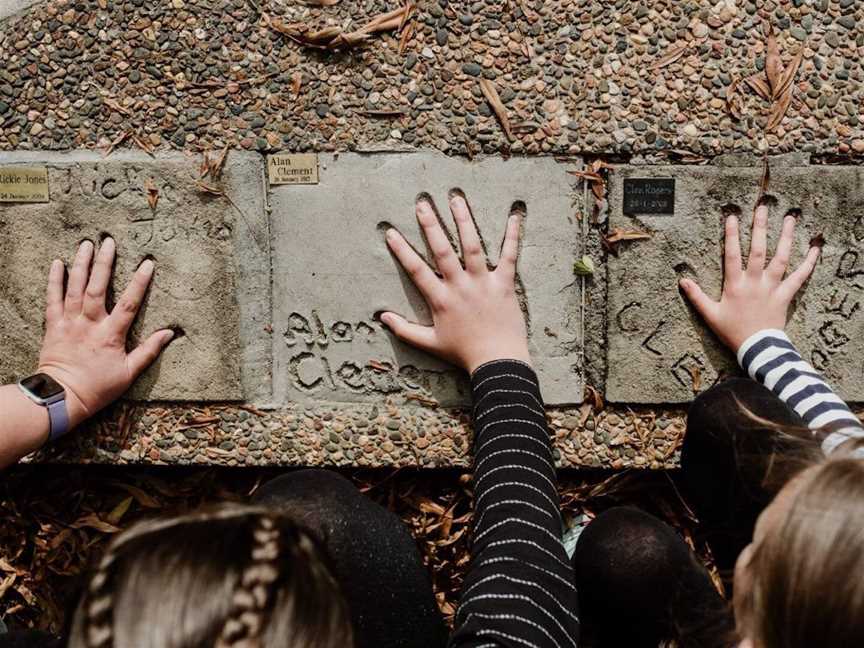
{"points": [[584, 266]]}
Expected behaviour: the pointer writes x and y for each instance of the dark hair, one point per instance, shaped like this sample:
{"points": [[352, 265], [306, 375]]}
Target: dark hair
{"points": [[238, 577]]}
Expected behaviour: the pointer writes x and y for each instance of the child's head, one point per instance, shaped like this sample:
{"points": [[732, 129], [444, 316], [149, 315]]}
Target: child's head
{"points": [[799, 583], [238, 577]]}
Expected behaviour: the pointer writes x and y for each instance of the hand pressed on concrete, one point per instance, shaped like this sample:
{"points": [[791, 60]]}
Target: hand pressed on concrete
{"points": [[85, 347], [757, 298], [476, 316]]}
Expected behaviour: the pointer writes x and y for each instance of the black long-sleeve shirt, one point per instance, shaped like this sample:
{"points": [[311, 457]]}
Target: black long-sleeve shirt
{"points": [[519, 590]]}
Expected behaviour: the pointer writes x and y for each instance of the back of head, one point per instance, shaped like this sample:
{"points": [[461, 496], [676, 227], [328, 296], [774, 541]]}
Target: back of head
{"points": [[808, 575], [237, 577]]}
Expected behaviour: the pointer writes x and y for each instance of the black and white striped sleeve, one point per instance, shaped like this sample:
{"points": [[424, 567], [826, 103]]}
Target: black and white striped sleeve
{"points": [[770, 358], [519, 588]]}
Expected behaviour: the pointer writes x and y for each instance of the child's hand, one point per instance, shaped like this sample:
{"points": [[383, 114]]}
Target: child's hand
{"points": [[85, 346], [756, 298], [475, 314]]}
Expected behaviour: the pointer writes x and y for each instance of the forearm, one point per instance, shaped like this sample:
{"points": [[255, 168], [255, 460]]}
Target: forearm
{"points": [[519, 588], [24, 425], [770, 358]]}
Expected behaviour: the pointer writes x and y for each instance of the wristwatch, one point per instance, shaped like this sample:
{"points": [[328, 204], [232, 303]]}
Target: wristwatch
{"points": [[43, 390]]}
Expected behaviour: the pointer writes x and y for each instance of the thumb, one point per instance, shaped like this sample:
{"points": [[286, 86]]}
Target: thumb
{"points": [[145, 353], [703, 304], [422, 337]]}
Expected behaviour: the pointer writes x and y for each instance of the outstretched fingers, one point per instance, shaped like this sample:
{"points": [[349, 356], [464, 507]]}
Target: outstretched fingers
{"points": [[442, 252], [472, 248], [796, 279], [97, 286], [780, 263], [127, 306], [421, 274], [54, 293], [510, 247], [758, 242], [146, 353], [78, 279], [703, 304], [732, 248], [422, 337]]}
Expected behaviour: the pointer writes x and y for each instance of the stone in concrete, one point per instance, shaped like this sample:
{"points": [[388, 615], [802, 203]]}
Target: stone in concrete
{"points": [[657, 344], [212, 265], [333, 273]]}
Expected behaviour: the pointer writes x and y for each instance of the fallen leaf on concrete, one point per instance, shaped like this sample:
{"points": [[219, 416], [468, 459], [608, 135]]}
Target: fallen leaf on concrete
{"points": [[497, 105], [733, 99], [788, 75], [773, 64], [618, 234], [116, 142], [673, 54], [759, 85], [594, 397], [143, 144], [113, 104], [152, 193], [296, 83], [384, 113], [696, 376], [778, 112], [335, 38], [422, 399], [407, 34], [321, 3], [765, 179]]}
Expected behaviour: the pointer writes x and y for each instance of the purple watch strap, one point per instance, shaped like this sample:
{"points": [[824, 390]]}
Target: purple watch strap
{"points": [[59, 420]]}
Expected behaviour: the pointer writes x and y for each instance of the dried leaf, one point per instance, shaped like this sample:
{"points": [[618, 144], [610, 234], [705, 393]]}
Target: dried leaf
{"points": [[696, 376], [618, 234], [113, 104], [779, 110], [430, 402], [788, 75], [152, 193], [733, 99], [494, 100], [92, 521], [321, 3], [672, 55], [759, 85], [296, 83], [591, 176], [116, 142], [407, 34], [143, 144], [209, 188], [119, 511], [594, 397], [773, 64], [584, 266], [140, 496]]}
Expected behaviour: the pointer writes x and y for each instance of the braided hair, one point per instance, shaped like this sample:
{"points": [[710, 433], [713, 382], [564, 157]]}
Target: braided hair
{"points": [[226, 578]]}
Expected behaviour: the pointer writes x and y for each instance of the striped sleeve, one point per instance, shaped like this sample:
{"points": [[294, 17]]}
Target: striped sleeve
{"points": [[519, 588], [770, 358]]}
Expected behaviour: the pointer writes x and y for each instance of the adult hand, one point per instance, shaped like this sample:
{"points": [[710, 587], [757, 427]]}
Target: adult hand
{"points": [[756, 298], [475, 313], [85, 347]]}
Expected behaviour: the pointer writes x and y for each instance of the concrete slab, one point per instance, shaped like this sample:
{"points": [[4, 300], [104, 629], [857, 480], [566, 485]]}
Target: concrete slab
{"points": [[12, 7], [659, 351], [212, 278], [333, 272]]}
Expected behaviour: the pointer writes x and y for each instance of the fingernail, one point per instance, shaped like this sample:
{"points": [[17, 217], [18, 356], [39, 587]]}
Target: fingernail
{"points": [[147, 265], [391, 234], [167, 336], [85, 244]]}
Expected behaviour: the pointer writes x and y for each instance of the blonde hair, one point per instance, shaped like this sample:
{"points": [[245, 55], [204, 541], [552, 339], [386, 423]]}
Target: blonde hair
{"points": [[231, 577], [808, 572]]}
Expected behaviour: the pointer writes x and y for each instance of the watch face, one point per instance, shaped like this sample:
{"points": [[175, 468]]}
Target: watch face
{"points": [[42, 386]]}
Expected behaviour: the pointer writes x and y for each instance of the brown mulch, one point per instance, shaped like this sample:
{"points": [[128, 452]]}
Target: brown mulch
{"points": [[57, 519]]}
